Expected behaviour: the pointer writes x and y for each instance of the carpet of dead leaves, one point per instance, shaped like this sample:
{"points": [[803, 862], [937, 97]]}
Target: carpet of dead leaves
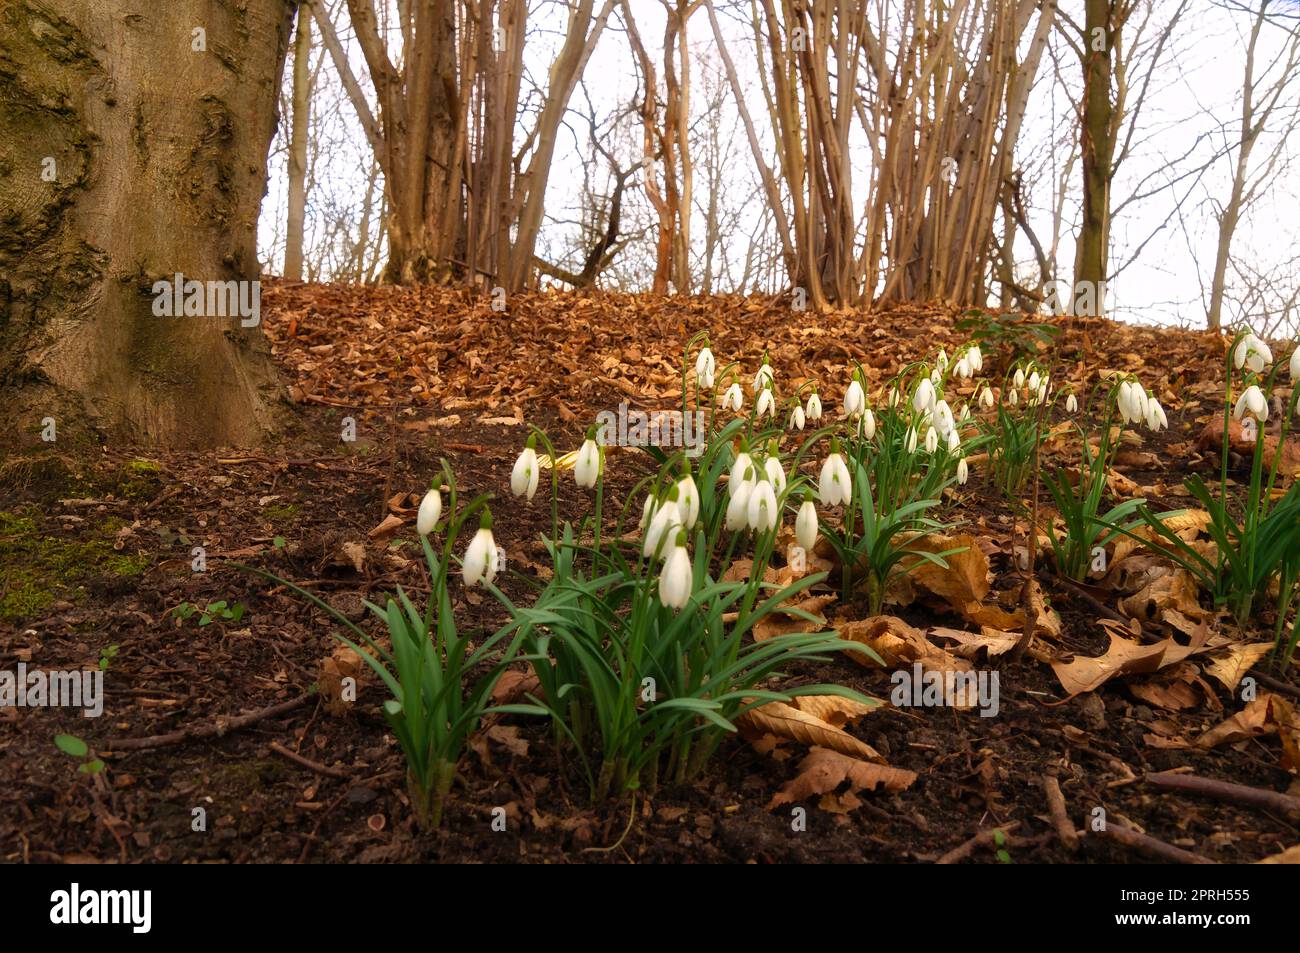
{"points": [[1127, 676]]}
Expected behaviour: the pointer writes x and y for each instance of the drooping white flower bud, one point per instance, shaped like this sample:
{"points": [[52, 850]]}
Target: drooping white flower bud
{"points": [[677, 576], [430, 512], [805, 525], [587, 468], [733, 399], [705, 367], [814, 407], [963, 471], [833, 485], [924, 398], [481, 558], [524, 476]]}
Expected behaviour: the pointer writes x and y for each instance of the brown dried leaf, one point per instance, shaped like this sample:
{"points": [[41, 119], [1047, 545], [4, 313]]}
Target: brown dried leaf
{"points": [[822, 771], [786, 721]]}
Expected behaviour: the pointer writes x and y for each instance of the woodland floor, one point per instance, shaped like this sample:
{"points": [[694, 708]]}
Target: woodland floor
{"points": [[95, 550]]}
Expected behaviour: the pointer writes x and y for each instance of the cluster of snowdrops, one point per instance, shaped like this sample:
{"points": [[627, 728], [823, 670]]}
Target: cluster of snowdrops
{"points": [[639, 641]]}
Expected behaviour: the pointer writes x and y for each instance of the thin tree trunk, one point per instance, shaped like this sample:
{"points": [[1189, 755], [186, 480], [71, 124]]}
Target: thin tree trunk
{"points": [[301, 107]]}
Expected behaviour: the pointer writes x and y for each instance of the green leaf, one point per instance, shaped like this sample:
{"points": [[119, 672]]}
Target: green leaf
{"points": [[71, 744]]}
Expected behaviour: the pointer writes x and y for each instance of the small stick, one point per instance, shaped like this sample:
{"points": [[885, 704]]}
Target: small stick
{"points": [[1152, 846], [215, 730], [1227, 791], [307, 763], [1275, 683], [1060, 819], [983, 838]]}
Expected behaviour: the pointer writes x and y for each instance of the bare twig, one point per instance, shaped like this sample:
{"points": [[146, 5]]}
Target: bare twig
{"points": [[307, 763], [220, 727], [1151, 846], [1227, 791], [1060, 817], [982, 839]]}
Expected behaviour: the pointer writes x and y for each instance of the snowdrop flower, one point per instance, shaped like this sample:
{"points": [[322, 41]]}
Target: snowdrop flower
{"points": [[705, 366], [1155, 416], [855, 400], [1252, 402], [1071, 405], [772, 467], [1295, 364], [975, 358], [667, 519], [931, 440], [738, 508], [943, 420], [1019, 380], [761, 512], [796, 418], [1131, 402], [962, 368], [814, 407], [764, 375], [587, 468], [924, 398], [1034, 381], [805, 525], [648, 511], [739, 467], [954, 440], [942, 360], [987, 400], [965, 413], [894, 397], [677, 575], [430, 511], [733, 399], [1251, 352], [1013, 398], [766, 405], [688, 498], [481, 559], [936, 377], [867, 424], [834, 486], [910, 443], [963, 471], [523, 478]]}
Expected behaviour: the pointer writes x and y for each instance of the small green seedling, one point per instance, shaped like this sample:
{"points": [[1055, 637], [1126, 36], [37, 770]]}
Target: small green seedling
{"points": [[220, 611], [106, 656], [74, 746], [1000, 839]]}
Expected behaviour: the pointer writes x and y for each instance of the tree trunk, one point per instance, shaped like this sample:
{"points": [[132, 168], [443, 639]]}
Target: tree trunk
{"points": [[298, 145], [155, 119], [1097, 132]]}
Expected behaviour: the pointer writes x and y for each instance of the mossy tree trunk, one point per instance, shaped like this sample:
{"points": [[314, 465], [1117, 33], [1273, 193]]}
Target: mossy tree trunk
{"points": [[133, 142]]}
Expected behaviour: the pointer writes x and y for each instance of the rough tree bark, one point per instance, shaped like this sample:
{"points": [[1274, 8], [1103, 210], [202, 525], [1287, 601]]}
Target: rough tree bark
{"points": [[301, 106], [126, 156]]}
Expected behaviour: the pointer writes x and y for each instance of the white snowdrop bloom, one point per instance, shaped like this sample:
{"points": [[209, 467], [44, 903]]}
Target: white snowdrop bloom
{"points": [[942, 360], [924, 398], [943, 419], [909, 444], [766, 405], [1155, 416], [764, 376], [666, 520], [688, 501], [855, 399], [738, 508], [963, 471], [814, 407], [648, 511], [1033, 382], [833, 485], [1071, 405], [1018, 381], [936, 377], [805, 525], [1042, 391], [962, 369], [705, 367], [676, 577], [1294, 367], [987, 400], [867, 424], [1013, 398], [733, 399], [1253, 402], [975, 358], [587, 468], [954, 440], [761, 511], [739, 467], [931, 440], [797, 419], [481, 559], [430, 512], [1251, 352], [895, 397], [965, 413], [524, 476], [772, 467]]}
